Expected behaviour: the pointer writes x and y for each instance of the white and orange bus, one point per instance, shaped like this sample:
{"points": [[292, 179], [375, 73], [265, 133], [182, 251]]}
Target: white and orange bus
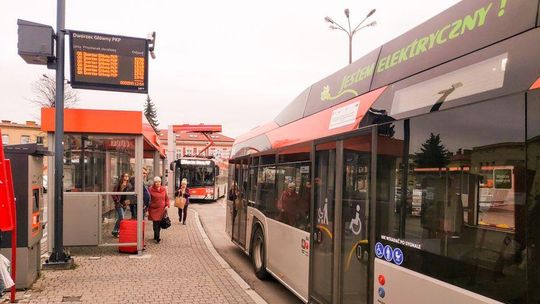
{"points": [[319, 196], [206, 180]]}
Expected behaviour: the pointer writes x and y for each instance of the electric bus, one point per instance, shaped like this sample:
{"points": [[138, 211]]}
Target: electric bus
{"points": [[206, 178], [433, 118]]}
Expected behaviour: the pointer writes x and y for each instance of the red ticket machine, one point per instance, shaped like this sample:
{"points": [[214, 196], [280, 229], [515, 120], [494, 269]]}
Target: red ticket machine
{"points": [[6, 204], [8, 217]]}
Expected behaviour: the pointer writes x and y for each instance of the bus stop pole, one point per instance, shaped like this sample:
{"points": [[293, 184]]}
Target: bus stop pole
{"points": [[156, 167], [139, 159], [58, 255]]}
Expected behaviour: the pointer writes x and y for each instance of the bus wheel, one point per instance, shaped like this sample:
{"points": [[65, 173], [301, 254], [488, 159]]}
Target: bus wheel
{"points": [[258, 255]]}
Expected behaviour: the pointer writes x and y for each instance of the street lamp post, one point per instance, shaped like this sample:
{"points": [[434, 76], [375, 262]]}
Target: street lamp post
{"points": [[349, 31]]}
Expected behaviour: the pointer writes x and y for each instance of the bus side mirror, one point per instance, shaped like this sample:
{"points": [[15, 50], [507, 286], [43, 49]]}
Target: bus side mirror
{"points": [[217, 170], [171, 166]]}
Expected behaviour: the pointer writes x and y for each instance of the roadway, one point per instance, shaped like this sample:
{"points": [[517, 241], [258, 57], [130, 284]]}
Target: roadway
{"points": [[212, 217]]}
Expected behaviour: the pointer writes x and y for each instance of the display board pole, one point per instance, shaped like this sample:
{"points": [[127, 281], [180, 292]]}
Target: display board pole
{"points": [[58, 255]]}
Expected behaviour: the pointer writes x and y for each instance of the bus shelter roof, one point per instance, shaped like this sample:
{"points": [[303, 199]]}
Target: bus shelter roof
{"points": [[105, 122]]}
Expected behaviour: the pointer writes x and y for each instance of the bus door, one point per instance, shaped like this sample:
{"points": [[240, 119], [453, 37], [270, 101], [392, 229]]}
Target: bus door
{"points": [[240, 202], [340, 256], [322, 253], [355, 231], [231, 198]]}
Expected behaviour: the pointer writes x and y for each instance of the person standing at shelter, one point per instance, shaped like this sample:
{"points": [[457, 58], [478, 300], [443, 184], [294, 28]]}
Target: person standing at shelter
{"points": [[159, 203], [133, 203], [146, 193], [183, 192], [121, 201]]}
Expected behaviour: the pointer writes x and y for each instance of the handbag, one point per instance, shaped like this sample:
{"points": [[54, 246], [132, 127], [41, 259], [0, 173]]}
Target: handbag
{"points": [[180, 202], [165, 221]]}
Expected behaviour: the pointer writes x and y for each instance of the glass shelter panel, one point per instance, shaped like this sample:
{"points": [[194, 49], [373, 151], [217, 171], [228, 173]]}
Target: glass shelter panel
{"points": [[93, 166], [95, 163], [114, 209]]}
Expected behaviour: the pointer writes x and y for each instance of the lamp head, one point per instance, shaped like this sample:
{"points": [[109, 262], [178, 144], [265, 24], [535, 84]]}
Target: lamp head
{"points": [[152, 44]]}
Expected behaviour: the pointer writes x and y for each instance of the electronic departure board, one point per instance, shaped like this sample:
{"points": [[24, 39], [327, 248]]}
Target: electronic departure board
{"points": [[108, 62]]}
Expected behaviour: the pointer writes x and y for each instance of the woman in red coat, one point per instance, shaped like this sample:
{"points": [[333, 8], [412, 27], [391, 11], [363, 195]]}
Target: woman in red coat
{"points": [[159, 203]]}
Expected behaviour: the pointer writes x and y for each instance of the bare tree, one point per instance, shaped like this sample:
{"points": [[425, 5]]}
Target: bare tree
{"points": [[44, 91]]}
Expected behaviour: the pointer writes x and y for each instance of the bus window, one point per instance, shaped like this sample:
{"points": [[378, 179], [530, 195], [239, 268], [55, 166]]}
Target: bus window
{"points": [[496, 193], [294, 190], [231, 179], [454, 202], [268, 159], [253, 183], [533, 194], [266, 190]]}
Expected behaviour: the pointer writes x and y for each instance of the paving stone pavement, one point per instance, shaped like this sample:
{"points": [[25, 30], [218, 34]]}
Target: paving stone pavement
{"points": [[179, 270]]}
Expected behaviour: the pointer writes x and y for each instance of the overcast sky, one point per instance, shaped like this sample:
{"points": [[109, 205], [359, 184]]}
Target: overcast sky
{"points": [[235, 63]]}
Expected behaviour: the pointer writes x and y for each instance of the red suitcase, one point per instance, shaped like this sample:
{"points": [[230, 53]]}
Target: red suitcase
{"points": [[128, 234]]}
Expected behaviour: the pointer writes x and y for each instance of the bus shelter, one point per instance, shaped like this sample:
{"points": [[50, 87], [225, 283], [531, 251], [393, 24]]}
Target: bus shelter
{"points": [[100, 147]]}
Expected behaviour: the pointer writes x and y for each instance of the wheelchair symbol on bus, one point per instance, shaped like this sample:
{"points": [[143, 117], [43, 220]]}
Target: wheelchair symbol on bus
{"points": [[379, 250], [356, 222]]}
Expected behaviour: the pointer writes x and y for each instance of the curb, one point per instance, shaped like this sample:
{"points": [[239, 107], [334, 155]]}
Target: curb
{"points": [[236, 277]]}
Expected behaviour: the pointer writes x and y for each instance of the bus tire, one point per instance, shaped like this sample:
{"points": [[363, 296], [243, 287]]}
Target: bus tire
{"points": [[258, 255]]}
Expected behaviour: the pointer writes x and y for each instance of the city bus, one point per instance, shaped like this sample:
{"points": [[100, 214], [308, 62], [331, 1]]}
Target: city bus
{"points": [[434, 118], [206, 177]]}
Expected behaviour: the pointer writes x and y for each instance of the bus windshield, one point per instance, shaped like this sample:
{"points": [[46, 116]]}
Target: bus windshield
{"points": [[197, 176]]}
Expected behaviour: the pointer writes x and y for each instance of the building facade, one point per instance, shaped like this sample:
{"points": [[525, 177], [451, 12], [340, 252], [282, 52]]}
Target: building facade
{"points": [[191, 144], [14, 133]]}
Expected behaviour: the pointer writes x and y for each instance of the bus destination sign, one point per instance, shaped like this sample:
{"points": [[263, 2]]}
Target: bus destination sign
{"points": [[108, 62]]}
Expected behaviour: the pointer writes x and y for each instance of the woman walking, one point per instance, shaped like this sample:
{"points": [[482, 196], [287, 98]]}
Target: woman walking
{"points": [[159, 203], [121, 201], [183, 191]]}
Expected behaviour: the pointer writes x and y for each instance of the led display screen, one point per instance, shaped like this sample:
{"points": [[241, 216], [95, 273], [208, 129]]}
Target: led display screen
{"points": [[108, 62]]}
